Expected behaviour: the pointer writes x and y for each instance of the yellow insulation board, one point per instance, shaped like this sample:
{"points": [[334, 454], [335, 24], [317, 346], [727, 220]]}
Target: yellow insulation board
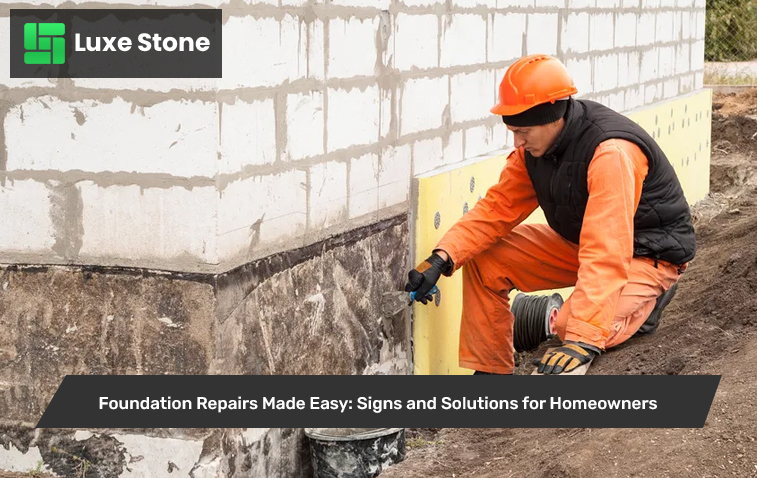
{"points": [[681, 127]]}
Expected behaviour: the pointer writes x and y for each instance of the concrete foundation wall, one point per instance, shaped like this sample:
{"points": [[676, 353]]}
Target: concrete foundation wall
{"points": [[314, 310], [324, 113]]}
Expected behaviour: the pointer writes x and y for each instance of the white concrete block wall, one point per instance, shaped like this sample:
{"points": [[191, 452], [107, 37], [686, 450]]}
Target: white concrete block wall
{"points": [[131, 223], [45, 133], [247, 135], [316, 132], [542, 31], [417, 36], [352, 47], [423, 101], [463, 40], [353, 117]]}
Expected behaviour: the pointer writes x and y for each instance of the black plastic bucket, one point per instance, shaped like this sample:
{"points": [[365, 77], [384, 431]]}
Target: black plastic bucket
{"points": [[355, 452]]}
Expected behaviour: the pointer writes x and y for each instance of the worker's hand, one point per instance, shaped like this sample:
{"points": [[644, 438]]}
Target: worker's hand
{"points": [[565, 359], [424, 277]]}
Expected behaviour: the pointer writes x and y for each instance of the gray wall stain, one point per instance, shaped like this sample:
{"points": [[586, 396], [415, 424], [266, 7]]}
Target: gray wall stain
{"points": [[66, 214]]}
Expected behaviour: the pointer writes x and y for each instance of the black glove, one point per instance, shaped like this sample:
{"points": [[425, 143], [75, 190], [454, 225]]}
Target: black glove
{"points": [[566, 358], [424, 277]]}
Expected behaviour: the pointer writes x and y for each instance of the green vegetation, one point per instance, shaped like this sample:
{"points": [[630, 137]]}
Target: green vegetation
{"points": [[731, 30]]}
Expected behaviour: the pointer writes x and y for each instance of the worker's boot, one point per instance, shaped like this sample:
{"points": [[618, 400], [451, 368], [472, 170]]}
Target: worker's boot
{"points": [[653, 321]]}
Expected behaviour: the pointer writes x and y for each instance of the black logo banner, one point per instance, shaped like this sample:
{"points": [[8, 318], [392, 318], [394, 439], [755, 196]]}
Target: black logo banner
{"points": [[115, 43], [208, 401]]}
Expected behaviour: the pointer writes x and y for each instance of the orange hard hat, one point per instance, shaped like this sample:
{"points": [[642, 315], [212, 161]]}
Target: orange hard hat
{"points": [[531, 81]]}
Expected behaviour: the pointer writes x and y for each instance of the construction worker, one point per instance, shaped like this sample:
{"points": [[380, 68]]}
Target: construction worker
{"points": [[618, 227]]}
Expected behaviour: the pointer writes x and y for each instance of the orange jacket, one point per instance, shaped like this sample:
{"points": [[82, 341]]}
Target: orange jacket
{"points": [[615, 177]]}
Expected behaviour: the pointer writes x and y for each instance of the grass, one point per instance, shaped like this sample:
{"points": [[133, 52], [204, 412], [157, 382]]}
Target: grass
{"points": [[740, 79], [419, 442], [82, 464]]}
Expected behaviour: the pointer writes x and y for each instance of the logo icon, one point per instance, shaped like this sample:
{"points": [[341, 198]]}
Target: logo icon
{"points": [[44, 43]]}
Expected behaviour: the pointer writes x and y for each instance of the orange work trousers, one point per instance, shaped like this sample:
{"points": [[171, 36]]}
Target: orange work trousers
{"points": [[534, 257]]}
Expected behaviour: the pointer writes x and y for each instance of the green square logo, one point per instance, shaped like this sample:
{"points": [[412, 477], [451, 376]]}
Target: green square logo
{"points": [[44, 43]]}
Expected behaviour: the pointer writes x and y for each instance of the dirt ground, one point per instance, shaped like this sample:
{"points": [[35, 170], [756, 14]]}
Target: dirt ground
{"points": [[709, 328]]}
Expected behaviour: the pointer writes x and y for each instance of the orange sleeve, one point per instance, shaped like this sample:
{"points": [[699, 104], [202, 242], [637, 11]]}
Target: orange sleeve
{"points": [[505, 205], [615, 177]]}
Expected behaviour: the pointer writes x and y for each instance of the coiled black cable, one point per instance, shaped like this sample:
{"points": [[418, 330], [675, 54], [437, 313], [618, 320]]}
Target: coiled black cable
{"points": [[531, 316]]}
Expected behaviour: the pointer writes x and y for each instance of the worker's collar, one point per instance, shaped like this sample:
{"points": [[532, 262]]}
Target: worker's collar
{"points": [[572, 123]]}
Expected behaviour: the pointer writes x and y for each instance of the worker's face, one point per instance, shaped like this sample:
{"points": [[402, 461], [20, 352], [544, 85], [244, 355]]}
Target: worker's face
{"points": [[536, 139]]}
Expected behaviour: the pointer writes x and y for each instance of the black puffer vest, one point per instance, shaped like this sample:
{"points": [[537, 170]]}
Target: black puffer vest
{"points": [[662, 224]]}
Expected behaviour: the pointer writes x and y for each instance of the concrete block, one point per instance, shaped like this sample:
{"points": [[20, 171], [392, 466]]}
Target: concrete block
{"points": [[5, 60], [698, 80], [700, 3], [463, 40], [541, 36], [502, 137], [686, 84], [453, 151], [634, 97], [471, 96], [480, 140], [630, 3], [667, 61], [328, 195], [623, 66], [364, 185], [423, 102], [174, 137], [677, 25], [352, 47], [664, 27], [305, 119], [260, 211], [416, 41], [394, 176], [378, 4], [421, 3], [352, 117], [645, 29], [625, 29], [633, 72], [670, 88], [573, 4], [646, 4], [148, 223], [700, 22], [667, 3], [427, 155], [649, 65], [290, 38], [688, 26], [652, 93], [580, 71], [575, 33], [605, 72], [388, 108], [247, 135], [616, 101], [514, 3], [163, 85], [697, 55], [25, 207], [601, 34], [683, 52], [475, 3], [506, 36], [550, 3], [608, 3]]}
